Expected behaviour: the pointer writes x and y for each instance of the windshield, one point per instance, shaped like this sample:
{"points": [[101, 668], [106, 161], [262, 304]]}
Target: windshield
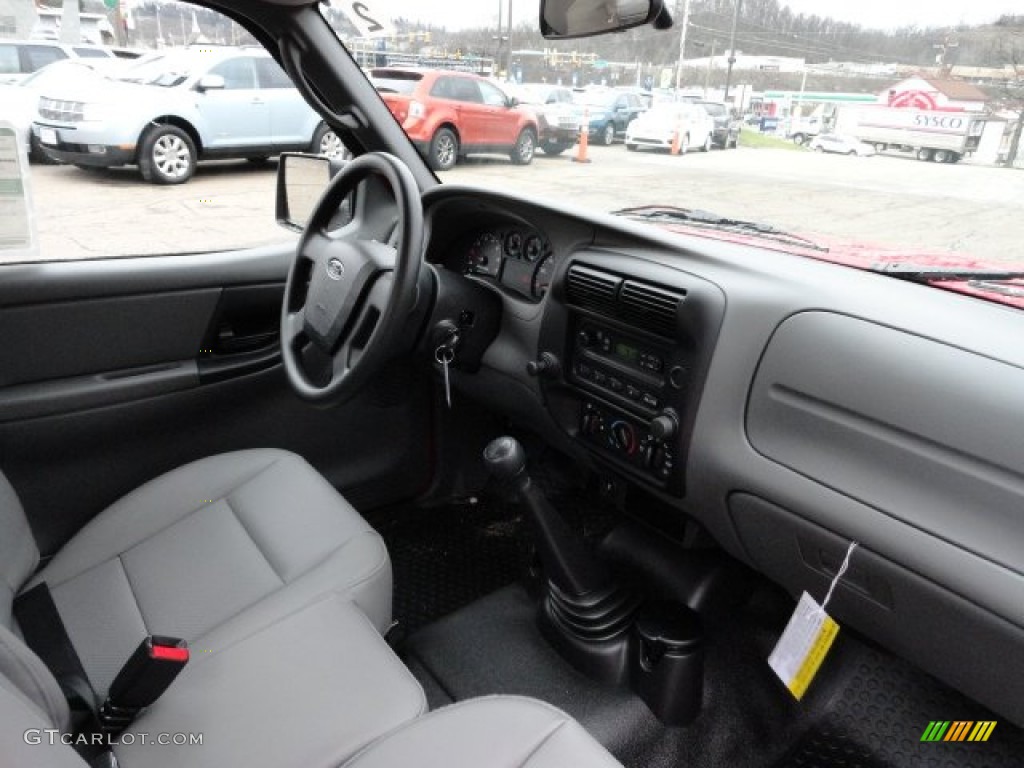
{"points": [[924, 100]]}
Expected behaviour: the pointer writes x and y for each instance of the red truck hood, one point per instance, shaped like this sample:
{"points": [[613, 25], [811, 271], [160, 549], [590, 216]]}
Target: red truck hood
{"points": [[869, 256]]}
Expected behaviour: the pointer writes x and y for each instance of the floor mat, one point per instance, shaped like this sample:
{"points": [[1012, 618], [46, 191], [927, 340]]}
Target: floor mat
{"points": [[880, 713], [446, 557], [494, 646]]}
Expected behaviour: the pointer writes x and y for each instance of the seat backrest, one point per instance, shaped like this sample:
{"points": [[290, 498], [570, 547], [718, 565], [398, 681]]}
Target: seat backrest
{"points": [[23, 671], [26, 735], [19, 554], [20, 668]]}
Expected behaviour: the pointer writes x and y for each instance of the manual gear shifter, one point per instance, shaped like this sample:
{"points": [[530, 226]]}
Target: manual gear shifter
{"points": [[585, 614]]}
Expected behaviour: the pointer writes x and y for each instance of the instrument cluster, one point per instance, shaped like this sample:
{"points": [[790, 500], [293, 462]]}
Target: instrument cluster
{"points": [[516, 258]]}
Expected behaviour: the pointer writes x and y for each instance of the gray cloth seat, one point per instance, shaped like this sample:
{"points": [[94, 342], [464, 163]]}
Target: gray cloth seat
{"points": [[497, 731], [505, 731], [210, 552]]}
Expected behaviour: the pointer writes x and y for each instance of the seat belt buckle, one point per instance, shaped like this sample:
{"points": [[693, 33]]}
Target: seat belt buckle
{"points": [[142, 680]]}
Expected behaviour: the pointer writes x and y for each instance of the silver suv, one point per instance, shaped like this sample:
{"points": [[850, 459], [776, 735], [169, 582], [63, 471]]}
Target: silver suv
{"points": [[183, 106]]}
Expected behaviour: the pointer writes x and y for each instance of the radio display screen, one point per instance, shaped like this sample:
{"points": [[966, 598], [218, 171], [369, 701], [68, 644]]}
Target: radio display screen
{"points": [[626, 352]]}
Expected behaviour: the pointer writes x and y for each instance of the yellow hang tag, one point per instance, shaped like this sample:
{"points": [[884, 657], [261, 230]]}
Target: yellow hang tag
{"points": [[802, 648], [808, 636]]}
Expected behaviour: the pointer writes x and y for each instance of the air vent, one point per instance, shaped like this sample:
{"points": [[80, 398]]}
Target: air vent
{"points": [[591, 289], [650, 308]]}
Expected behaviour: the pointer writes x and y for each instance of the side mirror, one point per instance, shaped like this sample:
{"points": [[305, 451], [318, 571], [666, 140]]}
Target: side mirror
{"points": [[301, 180], [511, 101], [210, 83], [563, 19]]}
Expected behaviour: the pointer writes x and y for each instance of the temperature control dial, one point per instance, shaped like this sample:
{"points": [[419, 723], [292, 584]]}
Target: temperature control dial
{"points": [[623, 437]]}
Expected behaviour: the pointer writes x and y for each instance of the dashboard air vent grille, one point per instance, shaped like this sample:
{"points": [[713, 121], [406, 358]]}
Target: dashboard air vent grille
{"points": [[648, 307], [591, 289]]}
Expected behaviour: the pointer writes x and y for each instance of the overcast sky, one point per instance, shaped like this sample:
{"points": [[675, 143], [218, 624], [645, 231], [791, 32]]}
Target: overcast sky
{"points": [[870, 13]]}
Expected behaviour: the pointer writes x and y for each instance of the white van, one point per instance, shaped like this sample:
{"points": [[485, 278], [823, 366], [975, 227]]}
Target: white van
{"points": [[20, 58]]}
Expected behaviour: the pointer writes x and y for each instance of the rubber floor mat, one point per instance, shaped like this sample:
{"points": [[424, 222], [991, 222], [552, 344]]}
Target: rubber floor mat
{"points": [[447, 557], [878, 720]]}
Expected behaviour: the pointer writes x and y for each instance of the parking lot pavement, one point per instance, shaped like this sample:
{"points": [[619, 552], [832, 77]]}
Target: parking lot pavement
{"points": [[886, 200]]}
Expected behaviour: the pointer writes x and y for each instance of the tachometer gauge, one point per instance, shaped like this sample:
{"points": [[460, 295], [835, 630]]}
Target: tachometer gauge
{"points": [[542, 277], [484, 257], [514, 244], [533, 249]]}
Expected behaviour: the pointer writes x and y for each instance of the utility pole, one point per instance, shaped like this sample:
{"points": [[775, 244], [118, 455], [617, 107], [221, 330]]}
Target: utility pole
{"points": [[682, 44], [944, 48], [500, 38], [707, 75], [732, 48], [508, 68]]}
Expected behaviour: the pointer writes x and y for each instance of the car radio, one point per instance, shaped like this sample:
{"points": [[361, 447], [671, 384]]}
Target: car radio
{"points": [[639, 375]]}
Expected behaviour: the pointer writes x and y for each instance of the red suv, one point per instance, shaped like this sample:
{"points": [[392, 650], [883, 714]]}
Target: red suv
{"points": [[449, 115]]}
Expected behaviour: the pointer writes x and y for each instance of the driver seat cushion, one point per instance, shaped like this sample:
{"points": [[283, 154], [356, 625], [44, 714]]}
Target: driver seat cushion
{"points": [[212, 552], [506, 731]]}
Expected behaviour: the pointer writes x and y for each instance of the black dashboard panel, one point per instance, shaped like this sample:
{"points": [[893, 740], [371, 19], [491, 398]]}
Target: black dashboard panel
{"points": [[636, 340]]}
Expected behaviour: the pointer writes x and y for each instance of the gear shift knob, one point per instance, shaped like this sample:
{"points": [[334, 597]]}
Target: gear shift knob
{"points": [[505, 458]]}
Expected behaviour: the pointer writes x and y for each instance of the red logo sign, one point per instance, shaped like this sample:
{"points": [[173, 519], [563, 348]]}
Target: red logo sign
{"points": [[913, 99]]}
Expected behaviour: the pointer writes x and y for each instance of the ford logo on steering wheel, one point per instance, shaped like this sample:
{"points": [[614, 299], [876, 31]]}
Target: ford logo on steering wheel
{"points": [[335, 269]]}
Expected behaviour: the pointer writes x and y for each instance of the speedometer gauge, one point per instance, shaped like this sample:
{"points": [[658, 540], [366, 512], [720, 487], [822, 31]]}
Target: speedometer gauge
{"points": [[484, 256], [542, 277]]}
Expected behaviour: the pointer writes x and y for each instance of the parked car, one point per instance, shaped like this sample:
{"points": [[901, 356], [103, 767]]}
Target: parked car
{"points": [[609, 113], [450, 114], [657, 128], [558, 117], [19, 101], [840, 144], [168, 113], [727, 125], [20, 58]]}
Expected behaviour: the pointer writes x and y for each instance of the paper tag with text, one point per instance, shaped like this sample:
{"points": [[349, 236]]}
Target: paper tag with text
{"points": [[802, 648]]}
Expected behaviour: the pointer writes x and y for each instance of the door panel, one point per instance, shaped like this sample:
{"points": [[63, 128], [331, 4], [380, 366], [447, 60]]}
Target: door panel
{"points": [[117, 371]]}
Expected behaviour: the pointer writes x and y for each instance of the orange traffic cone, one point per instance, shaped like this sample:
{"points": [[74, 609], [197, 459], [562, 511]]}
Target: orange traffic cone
{"points": [[581, 148], [677, 139]]}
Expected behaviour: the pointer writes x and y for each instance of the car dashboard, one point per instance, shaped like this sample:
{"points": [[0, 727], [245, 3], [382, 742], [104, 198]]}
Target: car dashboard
{"points": [[790, 406]]}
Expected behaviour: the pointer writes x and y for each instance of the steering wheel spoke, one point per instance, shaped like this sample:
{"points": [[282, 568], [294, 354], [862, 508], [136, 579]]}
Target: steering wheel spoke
{"points": [[348, 293], [293, 328]]}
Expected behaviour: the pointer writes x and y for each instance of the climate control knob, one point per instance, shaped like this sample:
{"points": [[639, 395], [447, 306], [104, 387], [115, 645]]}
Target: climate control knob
{"points": [[663, 427], [623, 437]]}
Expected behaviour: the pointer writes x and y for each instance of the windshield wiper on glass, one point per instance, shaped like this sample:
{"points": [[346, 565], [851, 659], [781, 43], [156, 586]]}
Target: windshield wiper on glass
{"points": [[701, 218], [917, 273]]}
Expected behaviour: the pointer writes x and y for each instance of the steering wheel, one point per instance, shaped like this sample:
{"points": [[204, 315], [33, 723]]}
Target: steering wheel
{"points": [[360, 291]]}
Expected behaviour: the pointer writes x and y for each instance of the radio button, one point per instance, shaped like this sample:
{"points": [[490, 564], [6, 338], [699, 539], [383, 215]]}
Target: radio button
{"points": [[650, 401], [615, 385], [633, 393], [599, 378]]}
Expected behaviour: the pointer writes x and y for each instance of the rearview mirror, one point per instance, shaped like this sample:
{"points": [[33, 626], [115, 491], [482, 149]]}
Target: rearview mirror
{"points": [[561, 19], [301, 180]]}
